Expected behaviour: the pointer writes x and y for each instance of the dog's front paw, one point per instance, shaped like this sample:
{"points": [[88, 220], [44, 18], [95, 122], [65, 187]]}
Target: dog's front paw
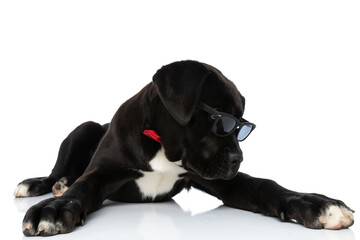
{"points": [[52, 216], [336, 217], [318, 211]]}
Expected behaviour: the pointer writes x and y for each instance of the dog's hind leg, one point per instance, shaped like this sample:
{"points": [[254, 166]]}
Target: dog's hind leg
{"points": [[62, 185], [74, 156]]}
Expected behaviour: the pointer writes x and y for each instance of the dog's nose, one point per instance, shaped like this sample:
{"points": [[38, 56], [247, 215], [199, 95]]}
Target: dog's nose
{"points": [[235, 158]]}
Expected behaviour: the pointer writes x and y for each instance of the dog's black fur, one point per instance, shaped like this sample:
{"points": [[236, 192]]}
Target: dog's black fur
{"points": [[104, 162]]}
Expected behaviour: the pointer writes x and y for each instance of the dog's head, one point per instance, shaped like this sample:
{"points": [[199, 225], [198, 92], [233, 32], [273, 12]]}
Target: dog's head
{"points": [[187, 129]]}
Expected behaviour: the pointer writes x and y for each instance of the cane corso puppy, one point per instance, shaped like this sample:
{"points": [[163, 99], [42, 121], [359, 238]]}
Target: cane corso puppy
{"points": [[180, 131]]}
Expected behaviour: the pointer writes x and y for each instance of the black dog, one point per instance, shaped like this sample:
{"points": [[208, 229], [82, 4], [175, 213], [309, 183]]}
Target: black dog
{"points": [[180, 131]]}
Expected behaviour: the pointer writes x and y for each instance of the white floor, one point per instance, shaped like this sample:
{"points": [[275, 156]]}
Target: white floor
{"points": [[192, 215]]}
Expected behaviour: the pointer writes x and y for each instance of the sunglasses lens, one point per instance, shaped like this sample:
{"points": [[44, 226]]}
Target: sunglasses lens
{"points": [[225, 125], [244, 131]]}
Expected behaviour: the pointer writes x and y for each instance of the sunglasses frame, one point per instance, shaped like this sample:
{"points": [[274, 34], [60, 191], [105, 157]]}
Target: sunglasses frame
{"points": [[216, 116]]}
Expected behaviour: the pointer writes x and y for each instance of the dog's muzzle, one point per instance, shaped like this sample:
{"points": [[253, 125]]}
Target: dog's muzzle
{"points": [[223, 165], [234, 165]]}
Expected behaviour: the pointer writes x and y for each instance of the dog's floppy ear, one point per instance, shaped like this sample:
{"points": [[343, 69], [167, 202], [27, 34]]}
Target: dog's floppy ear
{"points": [[179, 86]]}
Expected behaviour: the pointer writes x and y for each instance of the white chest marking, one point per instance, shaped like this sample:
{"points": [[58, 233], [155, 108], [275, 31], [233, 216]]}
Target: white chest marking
{"points": [[163, 177]]}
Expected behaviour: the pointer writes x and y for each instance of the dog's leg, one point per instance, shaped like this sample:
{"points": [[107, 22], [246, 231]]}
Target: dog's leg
{"points": [[61, 214], [267, 197], [74, 156], [108, 170]]}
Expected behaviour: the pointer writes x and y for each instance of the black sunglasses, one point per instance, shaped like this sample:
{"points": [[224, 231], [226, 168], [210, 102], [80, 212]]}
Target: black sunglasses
{"points": [[225, 124]]}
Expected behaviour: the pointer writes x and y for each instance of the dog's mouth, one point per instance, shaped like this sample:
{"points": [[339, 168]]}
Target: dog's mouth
{"points": [[223, 165]]}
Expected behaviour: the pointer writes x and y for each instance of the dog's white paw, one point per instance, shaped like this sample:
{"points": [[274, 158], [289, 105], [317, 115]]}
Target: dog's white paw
{"points": [[60, 187], [22, 190], [336, 217]]}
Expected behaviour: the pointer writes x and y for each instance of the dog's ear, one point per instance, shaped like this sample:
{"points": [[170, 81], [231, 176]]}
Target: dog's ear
{"points": [[179, 86]]}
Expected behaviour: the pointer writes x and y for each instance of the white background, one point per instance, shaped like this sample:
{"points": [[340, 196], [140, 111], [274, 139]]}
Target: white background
{"points": [[296, 62]]}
